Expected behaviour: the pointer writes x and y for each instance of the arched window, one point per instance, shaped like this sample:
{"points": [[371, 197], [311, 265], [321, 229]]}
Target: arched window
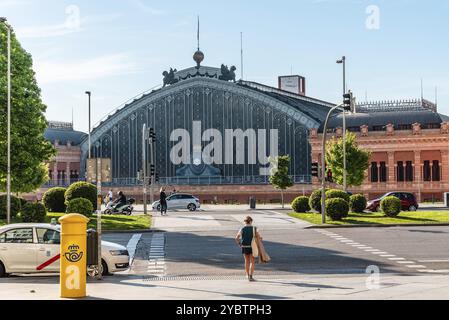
{"points": [[436, 170], [408, 171], [374, 172], [383, 172], [400, 171], [426, 171]]}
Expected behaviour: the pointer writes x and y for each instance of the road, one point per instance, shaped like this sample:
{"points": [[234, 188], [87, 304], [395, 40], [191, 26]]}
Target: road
{"points": [[194, 256]]}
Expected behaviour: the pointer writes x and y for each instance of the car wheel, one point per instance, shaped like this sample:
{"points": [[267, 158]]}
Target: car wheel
{"points": [[2, 270], [412, 208], [107, 211], [104, 268], [191, 207]]}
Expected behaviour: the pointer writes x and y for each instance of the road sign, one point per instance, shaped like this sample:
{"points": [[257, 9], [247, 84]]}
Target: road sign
{"points": [[92, 169]]}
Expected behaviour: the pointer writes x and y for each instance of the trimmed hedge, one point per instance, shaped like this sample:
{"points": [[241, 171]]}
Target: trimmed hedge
{"points": [[337, 209], [391, 206], [81, 206], [54, 199], [301, 204], [82, 190], [357, 203], [16, 204], [315, 200], [336, 193], [33, 212]]}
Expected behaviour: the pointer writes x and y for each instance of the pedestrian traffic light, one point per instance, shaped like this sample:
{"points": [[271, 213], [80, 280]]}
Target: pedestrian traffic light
{"points": [[315, 169], [347, 101]]}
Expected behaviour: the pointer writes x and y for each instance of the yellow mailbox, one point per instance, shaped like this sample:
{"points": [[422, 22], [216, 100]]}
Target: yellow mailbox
{"points": [[73, 255]]}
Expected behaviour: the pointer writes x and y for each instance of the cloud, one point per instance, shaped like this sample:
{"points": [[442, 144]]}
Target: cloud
{"points": [[95, 68], [11, 3], [73, 24], [148, 9]]}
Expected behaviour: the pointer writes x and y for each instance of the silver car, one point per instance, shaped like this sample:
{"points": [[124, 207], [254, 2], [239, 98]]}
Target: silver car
{"points": [[179, 201]]}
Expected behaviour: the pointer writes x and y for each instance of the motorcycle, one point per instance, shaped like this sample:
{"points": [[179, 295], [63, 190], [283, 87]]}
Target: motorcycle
{"points": [[125, 210]]}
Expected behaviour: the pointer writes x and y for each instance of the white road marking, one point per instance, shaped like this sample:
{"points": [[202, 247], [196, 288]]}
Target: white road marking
{"points": [[405, 262], [395, 259], [132, 245], [156, 258], [432, 261], [416, 266], [387, 255]]}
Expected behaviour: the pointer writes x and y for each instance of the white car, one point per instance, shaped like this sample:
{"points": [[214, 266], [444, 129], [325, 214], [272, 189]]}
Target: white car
{"points": [[179, 201], [25, 246]]}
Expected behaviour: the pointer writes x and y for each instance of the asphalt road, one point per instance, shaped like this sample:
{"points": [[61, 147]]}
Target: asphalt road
{"points": [[202, 244]]}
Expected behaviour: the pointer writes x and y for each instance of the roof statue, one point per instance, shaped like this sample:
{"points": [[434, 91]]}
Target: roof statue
{"points": [[169, 77], [227, 74]]}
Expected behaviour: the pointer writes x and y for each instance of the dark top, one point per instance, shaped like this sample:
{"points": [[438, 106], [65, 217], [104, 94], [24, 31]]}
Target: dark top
{"points": [[163, 198], [122, 199], [247, 235]]}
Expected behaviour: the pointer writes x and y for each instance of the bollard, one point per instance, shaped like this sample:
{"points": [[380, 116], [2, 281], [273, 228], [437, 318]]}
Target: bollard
{"points": [[73, 255]]}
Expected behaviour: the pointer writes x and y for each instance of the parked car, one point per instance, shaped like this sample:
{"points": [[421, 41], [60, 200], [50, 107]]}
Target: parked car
{"points": [[25, 246], [179, 201], [408, 201]]}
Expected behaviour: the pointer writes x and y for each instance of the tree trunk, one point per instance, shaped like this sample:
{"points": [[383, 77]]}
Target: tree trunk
{"points": [[282, 198]]}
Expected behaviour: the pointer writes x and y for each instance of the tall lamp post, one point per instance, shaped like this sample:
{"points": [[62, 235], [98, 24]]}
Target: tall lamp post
{"points": [[343, 62], [89, 95], [8, 172], [323, 165]]}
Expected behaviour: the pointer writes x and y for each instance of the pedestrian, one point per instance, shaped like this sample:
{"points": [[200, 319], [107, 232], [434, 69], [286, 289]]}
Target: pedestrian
{"points": [[247, 240], [163, 202], [110, 195]]}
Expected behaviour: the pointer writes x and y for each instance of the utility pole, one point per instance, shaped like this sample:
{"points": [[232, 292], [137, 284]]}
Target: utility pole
{"points": [[89, 94], [99, 200], [152, 140], [8, 173]]}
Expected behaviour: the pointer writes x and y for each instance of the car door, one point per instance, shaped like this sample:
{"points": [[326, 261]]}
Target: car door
{"points": [[173, 202], [48, 246], [404, 203], [18, 250]]}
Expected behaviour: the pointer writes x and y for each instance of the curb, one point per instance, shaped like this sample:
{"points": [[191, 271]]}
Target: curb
{"points": [[378, 225], [131, 231]]}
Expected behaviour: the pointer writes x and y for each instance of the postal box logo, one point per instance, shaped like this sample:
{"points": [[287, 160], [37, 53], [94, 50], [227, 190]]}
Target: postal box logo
{"points": [[73, 254]]}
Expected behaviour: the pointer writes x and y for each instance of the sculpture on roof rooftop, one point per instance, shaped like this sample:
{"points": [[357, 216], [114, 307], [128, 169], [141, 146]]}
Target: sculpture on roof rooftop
{"points": [[169, 77], [227, 74]]}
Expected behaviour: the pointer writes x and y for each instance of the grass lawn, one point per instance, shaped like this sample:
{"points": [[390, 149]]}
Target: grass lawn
{"points": [[108, 222], [421, 217]]}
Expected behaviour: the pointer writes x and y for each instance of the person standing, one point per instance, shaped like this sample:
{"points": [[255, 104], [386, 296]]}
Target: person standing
{"points": [[163, 202], [244, 239], [110, 195]]}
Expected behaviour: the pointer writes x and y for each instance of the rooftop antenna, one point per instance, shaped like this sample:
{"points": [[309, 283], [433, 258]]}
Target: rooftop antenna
{"points": [[198, 57], [436, 96], [72, 117], [241, 55], [422, 90], [198, 33]]}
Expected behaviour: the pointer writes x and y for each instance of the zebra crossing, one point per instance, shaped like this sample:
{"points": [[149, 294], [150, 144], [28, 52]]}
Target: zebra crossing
{"points": [[156, 258]]}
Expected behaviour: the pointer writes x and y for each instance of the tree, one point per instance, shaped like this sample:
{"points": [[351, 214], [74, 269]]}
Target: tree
{"points": [[279, 174], [29, 149], [357, 160]]}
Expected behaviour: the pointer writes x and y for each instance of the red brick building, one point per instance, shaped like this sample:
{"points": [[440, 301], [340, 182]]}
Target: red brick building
{"points": [[409, 141]]}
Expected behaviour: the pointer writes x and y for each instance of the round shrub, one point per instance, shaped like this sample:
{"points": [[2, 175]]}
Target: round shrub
{"points": [[301, 204], [336, 193], [33, 212], [357, 203], [315, 200], [337, 208], [15, 206], [390, 206], [54, 199], [82, 190], [81, 206]]}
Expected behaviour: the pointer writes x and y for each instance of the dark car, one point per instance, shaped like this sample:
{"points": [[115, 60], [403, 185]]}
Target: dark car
{"points": [[408, 201]]}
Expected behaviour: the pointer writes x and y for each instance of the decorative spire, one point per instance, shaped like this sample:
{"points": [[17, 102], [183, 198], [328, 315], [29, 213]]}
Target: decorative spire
{"points": [[198, 57]]}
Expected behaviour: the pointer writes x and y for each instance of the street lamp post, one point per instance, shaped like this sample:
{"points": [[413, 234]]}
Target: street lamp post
{"points": [[323, 165], [343, 61], [89, 95], [8, 172]]}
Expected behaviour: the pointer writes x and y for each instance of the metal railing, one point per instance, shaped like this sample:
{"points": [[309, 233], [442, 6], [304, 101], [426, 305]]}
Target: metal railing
{"points": [[212, 180]]}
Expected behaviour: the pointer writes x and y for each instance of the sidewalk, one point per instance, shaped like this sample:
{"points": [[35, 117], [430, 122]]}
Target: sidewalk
{"points": [[307, 287], [228, 207]]}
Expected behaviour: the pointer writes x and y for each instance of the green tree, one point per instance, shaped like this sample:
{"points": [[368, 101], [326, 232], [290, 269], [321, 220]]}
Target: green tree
{"points": [[357, 160], [279, 174], [29, 149]]}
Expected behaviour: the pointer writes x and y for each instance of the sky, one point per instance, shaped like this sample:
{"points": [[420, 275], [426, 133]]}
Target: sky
{"points": [[118, 49]]}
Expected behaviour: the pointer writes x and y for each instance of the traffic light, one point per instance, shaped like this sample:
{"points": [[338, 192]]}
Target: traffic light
{"points": [[152, 135], [329, 176], [152, 170], [347, 101], [156, 177], [315, 169]]}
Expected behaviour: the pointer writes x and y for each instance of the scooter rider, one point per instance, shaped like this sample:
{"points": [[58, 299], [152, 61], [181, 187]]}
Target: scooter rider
{"points": [[121, 201]]}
